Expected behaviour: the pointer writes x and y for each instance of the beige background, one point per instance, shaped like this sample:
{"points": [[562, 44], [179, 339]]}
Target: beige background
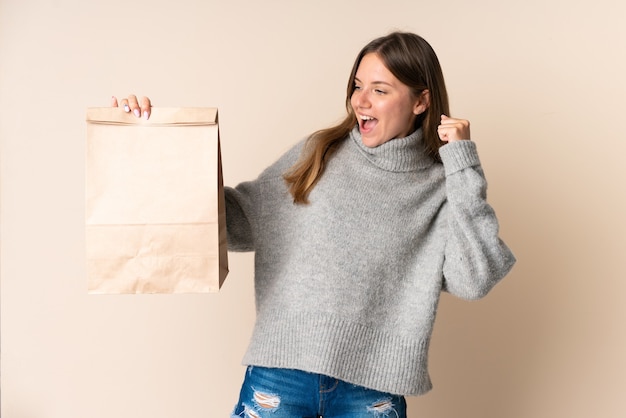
{"points": [[542, 82]]}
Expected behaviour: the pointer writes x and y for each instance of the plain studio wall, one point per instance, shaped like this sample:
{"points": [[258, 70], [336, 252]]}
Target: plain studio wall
{"points": [[541, 81]]}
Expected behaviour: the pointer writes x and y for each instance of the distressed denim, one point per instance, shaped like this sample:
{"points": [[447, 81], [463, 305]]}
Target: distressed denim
{"points": [[286, 393]]}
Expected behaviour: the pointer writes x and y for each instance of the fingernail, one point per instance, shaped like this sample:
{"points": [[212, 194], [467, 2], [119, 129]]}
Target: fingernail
{"points": [[137, 112], [126, 108], [146, 115]]}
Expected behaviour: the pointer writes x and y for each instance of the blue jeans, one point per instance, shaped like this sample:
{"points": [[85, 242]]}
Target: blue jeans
{"points": [[286, 393]]}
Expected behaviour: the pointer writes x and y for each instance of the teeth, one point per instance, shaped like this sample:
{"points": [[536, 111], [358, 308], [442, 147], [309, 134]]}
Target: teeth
{"points": [[366, 118]]}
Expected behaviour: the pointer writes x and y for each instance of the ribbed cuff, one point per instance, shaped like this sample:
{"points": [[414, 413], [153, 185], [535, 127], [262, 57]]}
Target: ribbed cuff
{"points": [[458, 155]]}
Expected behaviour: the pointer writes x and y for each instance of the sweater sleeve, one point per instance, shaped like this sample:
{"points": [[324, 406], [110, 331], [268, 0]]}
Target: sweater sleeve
{"points": [[240, 209], [475, 257], [244, 203]]}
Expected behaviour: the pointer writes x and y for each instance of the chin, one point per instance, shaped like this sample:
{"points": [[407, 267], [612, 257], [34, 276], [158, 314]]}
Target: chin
{"points": [[371, 143]]}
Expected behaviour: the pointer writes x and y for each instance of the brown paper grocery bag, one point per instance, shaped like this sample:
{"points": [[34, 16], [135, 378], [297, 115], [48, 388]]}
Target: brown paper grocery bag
{"points": [[155, 215]]}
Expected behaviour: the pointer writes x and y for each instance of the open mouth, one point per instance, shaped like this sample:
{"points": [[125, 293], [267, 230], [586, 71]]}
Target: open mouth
{"points": [[367, 123]]}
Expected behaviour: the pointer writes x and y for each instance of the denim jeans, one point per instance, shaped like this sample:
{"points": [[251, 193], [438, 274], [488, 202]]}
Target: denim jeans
{"points": [[286, 393]]}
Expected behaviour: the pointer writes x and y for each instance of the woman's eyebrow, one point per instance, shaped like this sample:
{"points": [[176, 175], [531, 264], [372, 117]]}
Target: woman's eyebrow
{"points": [[375, 82]]}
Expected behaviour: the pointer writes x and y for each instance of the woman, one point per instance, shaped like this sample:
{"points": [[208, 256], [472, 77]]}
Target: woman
{"points": [[356, 232]]}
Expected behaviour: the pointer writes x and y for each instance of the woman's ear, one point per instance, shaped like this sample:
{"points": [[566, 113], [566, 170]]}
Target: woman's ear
{"points": [[422, 103]]}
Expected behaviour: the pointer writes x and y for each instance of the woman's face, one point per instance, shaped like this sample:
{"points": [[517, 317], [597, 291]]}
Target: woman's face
{"points": [[384, 107]]}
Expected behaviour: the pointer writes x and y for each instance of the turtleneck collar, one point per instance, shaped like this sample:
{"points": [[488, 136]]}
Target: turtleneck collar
{"points": [[400, 154]]}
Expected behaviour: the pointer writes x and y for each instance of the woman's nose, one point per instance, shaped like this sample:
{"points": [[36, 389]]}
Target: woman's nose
{"points": [[362, 99]]}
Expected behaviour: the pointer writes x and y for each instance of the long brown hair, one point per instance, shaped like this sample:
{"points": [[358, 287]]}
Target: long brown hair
{"points": [[412, 61]]}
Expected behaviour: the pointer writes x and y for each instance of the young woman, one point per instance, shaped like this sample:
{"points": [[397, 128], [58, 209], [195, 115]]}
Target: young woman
{"points": [[356, 231]]}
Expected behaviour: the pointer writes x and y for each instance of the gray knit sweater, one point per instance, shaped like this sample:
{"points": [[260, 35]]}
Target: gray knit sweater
{"points": [[348, 285]]}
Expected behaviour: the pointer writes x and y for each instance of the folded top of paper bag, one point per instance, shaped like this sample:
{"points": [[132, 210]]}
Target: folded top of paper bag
{"points": [[158, 116]]}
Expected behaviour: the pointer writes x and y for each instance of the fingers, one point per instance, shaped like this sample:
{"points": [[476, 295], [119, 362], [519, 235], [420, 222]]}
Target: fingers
{"points": [[133, 106], [139, 107], [146, 107], [452, 129]]}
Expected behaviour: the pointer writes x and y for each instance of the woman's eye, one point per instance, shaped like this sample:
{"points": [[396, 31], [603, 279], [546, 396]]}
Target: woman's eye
{"points": [[378, 91], [357, 87]]}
